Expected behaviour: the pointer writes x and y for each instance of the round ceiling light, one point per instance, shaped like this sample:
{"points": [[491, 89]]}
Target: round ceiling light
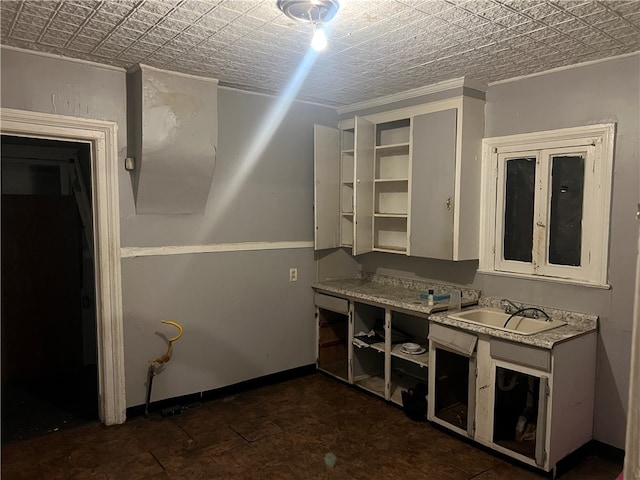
{"points": [[310, 11]]}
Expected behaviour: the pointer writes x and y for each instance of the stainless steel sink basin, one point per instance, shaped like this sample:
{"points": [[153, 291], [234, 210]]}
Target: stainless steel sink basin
{"points": [[495, 318]]}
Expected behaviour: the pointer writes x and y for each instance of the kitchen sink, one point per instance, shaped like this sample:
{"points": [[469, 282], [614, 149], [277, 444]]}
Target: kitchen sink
{"points": [[496, 318]]}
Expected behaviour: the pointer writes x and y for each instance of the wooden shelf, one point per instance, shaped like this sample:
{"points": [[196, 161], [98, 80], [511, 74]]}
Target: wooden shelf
{"points": [[390, 180], [387, 249], [394, 149], [371, 383], [390, 215], [379, 346], [421, 359]]}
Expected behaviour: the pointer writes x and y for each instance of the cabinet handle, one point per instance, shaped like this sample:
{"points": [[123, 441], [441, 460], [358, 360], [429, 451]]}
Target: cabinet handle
{"points": [[448, 203]]}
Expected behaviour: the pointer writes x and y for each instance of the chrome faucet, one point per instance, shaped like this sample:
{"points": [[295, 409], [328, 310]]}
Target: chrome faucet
{"points": [[509, 306], [529, 312]]}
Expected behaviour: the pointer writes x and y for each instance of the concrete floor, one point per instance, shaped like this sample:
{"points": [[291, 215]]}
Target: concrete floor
{"points": [[278, 432]]}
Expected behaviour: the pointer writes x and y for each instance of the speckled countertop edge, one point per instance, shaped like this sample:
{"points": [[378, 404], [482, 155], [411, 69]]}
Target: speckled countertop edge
{"points": [[395, 292], [405, 294]]}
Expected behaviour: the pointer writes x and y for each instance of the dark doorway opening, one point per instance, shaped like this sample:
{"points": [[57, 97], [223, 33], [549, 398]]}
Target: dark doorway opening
{"points": [[49, 352]]}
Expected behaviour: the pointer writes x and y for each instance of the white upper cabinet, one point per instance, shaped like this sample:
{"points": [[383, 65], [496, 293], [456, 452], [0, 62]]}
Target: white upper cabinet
{"points": [[406, 181]]}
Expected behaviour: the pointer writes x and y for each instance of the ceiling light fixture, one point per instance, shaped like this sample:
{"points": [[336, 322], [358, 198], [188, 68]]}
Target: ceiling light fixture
{"points": [[316, 12], [319, 40]]}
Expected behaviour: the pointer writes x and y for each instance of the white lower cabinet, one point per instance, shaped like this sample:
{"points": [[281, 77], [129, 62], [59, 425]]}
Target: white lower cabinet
{"points": [[533, 404], [362, 344], [333, 320], [380, 365], [452, 379]]}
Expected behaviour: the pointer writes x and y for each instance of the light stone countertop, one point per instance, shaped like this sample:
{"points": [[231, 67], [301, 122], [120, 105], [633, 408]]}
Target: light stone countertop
{"points": [[404, 294], [395, 292]]}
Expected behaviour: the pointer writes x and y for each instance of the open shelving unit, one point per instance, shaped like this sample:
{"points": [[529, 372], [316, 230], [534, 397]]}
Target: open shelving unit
{"points": [[347, 171], [407, 370], [391, 186], [369, 360], [375, 333]]}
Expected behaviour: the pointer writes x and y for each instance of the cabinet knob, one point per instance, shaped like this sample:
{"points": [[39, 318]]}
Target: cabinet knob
{"points": [[448, 203]]}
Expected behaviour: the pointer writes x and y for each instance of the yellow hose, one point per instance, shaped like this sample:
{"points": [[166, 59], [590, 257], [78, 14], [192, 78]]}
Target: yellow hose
{"points": [[167, 355]]}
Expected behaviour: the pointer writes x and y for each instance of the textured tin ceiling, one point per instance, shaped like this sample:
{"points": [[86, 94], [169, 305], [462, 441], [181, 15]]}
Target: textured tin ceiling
{"points": [[376, 47]]}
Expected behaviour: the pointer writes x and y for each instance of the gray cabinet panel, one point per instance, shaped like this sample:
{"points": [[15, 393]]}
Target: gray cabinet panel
{"points": [[521, 354], [433, 184], [326, 201], [335, 304]]}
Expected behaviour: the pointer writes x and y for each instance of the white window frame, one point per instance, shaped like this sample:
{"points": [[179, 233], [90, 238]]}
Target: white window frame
{"points": [[597, 141]]}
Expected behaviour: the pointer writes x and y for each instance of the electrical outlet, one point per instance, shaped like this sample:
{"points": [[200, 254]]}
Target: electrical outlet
{"points": [[293, 274]]}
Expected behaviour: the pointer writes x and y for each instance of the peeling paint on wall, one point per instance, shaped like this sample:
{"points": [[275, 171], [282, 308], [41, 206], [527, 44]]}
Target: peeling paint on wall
{"points": [[176, 153]]}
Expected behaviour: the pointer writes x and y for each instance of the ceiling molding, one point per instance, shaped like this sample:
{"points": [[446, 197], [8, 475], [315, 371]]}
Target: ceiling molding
{"points": [[61, 57], [273, 95], [562, 69], [413, 93]]}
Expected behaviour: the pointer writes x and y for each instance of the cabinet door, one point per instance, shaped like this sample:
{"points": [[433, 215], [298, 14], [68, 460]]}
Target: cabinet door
{"points": [[433, 163], [326, 191], [363, 186], [520, 412]]}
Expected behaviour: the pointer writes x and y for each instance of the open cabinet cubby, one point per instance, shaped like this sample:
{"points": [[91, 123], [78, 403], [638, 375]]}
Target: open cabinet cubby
{"points": [[347, 168], [368, 361], [392, 163], [390, 234], [348, 138], [346, 230], [391, 198], [407, 370], [393, 133], [346, 198]]}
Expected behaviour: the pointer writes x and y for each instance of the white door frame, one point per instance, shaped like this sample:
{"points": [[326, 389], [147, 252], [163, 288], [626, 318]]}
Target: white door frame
{"points": [[102, 136], [632, 444]]}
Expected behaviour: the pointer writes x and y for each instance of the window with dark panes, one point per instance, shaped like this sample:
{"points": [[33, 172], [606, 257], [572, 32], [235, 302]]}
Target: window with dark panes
{"points": [[546, 201]]}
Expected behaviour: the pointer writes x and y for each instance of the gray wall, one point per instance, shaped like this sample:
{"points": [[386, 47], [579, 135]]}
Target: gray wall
{"points": [[598, 93], [242, 316], [269, 198], [603, 92]]}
